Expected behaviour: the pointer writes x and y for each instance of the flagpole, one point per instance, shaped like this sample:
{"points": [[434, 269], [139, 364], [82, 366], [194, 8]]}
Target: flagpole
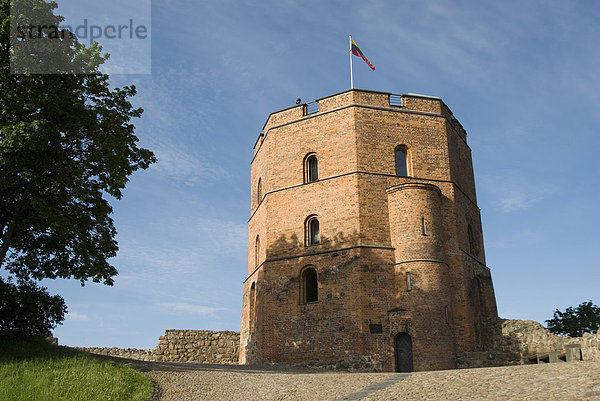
{"points": [[350, 53]]}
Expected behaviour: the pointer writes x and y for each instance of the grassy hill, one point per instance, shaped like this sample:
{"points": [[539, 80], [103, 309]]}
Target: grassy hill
{"points": [[39, 371]]}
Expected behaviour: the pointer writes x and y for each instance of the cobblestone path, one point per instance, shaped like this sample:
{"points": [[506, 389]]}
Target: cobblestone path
{"points": [[557, 381]]}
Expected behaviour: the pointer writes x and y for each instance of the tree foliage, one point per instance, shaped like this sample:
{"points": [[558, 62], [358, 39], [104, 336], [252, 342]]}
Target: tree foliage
{"points": [[66, 144], [27, 310], [576, 321]]}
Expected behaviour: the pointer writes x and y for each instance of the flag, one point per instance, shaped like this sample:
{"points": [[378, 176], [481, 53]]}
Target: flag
{"points": [[356, 51]]}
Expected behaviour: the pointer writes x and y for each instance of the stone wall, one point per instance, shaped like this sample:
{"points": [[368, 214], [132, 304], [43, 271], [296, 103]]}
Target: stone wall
{"points": [[199, 346], [513, 342], [129, 353], [508, 342]]}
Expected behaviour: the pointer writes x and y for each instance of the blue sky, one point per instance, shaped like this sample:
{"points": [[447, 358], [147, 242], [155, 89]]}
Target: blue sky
{"points": [[521, 76]]}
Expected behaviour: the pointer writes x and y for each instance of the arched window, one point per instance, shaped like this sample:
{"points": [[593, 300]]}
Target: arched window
{"points": [[259, 191], [310, 285], [401, 161], [311, 168], [252, 306], [313, 235], [257, 251]]}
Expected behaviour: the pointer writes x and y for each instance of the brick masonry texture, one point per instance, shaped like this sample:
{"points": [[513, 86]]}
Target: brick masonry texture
{"points": [[378, 232], [200, 346]]}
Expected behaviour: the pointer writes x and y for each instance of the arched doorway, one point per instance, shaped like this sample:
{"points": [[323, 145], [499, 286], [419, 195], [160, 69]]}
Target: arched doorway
{"points": [[404, 354]]}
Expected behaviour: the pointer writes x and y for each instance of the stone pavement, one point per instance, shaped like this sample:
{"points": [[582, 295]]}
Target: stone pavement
{"points": [[557, 381]]}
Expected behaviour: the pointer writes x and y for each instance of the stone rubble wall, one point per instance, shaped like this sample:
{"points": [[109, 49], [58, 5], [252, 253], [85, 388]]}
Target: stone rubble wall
{"points": [[508, 342], [534, 338], [221, 347], [129, 353], [513, 342], [198, 346]]}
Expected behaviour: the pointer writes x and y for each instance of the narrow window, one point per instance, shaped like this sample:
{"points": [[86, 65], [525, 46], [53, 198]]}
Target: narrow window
{"points": [[401, 162], [310, 287], [312, 231], [311, 169], [408, 285], [257, 251], [252, 304], [423, 228], [480, 291], [446, 314], [259, 191], [472, 244]]}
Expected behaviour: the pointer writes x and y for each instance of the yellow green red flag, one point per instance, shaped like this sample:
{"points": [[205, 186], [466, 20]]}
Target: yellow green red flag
{"points": [[356, 51]]}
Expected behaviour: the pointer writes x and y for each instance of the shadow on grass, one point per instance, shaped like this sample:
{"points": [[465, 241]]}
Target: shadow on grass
{"points": [[29, 349]]}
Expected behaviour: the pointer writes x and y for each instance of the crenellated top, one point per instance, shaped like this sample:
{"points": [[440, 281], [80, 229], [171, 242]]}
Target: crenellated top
{"points": [[408, 103]]}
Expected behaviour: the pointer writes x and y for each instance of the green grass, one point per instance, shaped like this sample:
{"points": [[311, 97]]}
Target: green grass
{"points": [[38, 371]]}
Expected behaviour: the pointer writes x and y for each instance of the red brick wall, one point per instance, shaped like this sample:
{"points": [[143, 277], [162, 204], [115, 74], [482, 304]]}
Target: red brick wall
{"points": [[370, 238]]}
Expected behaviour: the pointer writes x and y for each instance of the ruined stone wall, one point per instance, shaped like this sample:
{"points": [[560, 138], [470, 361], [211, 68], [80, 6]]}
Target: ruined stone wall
{"points": [[514, 342], [508, 342], [198, 346], [128, 353]]}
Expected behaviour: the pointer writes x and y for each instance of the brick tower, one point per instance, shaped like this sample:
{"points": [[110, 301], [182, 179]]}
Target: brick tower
{"points": [[365, 239]]}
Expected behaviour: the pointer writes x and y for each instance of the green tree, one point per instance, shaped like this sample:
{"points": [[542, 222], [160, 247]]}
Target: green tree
{"points": [[66, 145], [576, 321], [28, 310]]}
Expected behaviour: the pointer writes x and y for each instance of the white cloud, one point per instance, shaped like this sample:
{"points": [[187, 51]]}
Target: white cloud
{"points": [[180, 165], [183, 142], [188, 308], [186, 260], [74, 316], [527, 236], [514, 191], [185, 244], [519, 200]]}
